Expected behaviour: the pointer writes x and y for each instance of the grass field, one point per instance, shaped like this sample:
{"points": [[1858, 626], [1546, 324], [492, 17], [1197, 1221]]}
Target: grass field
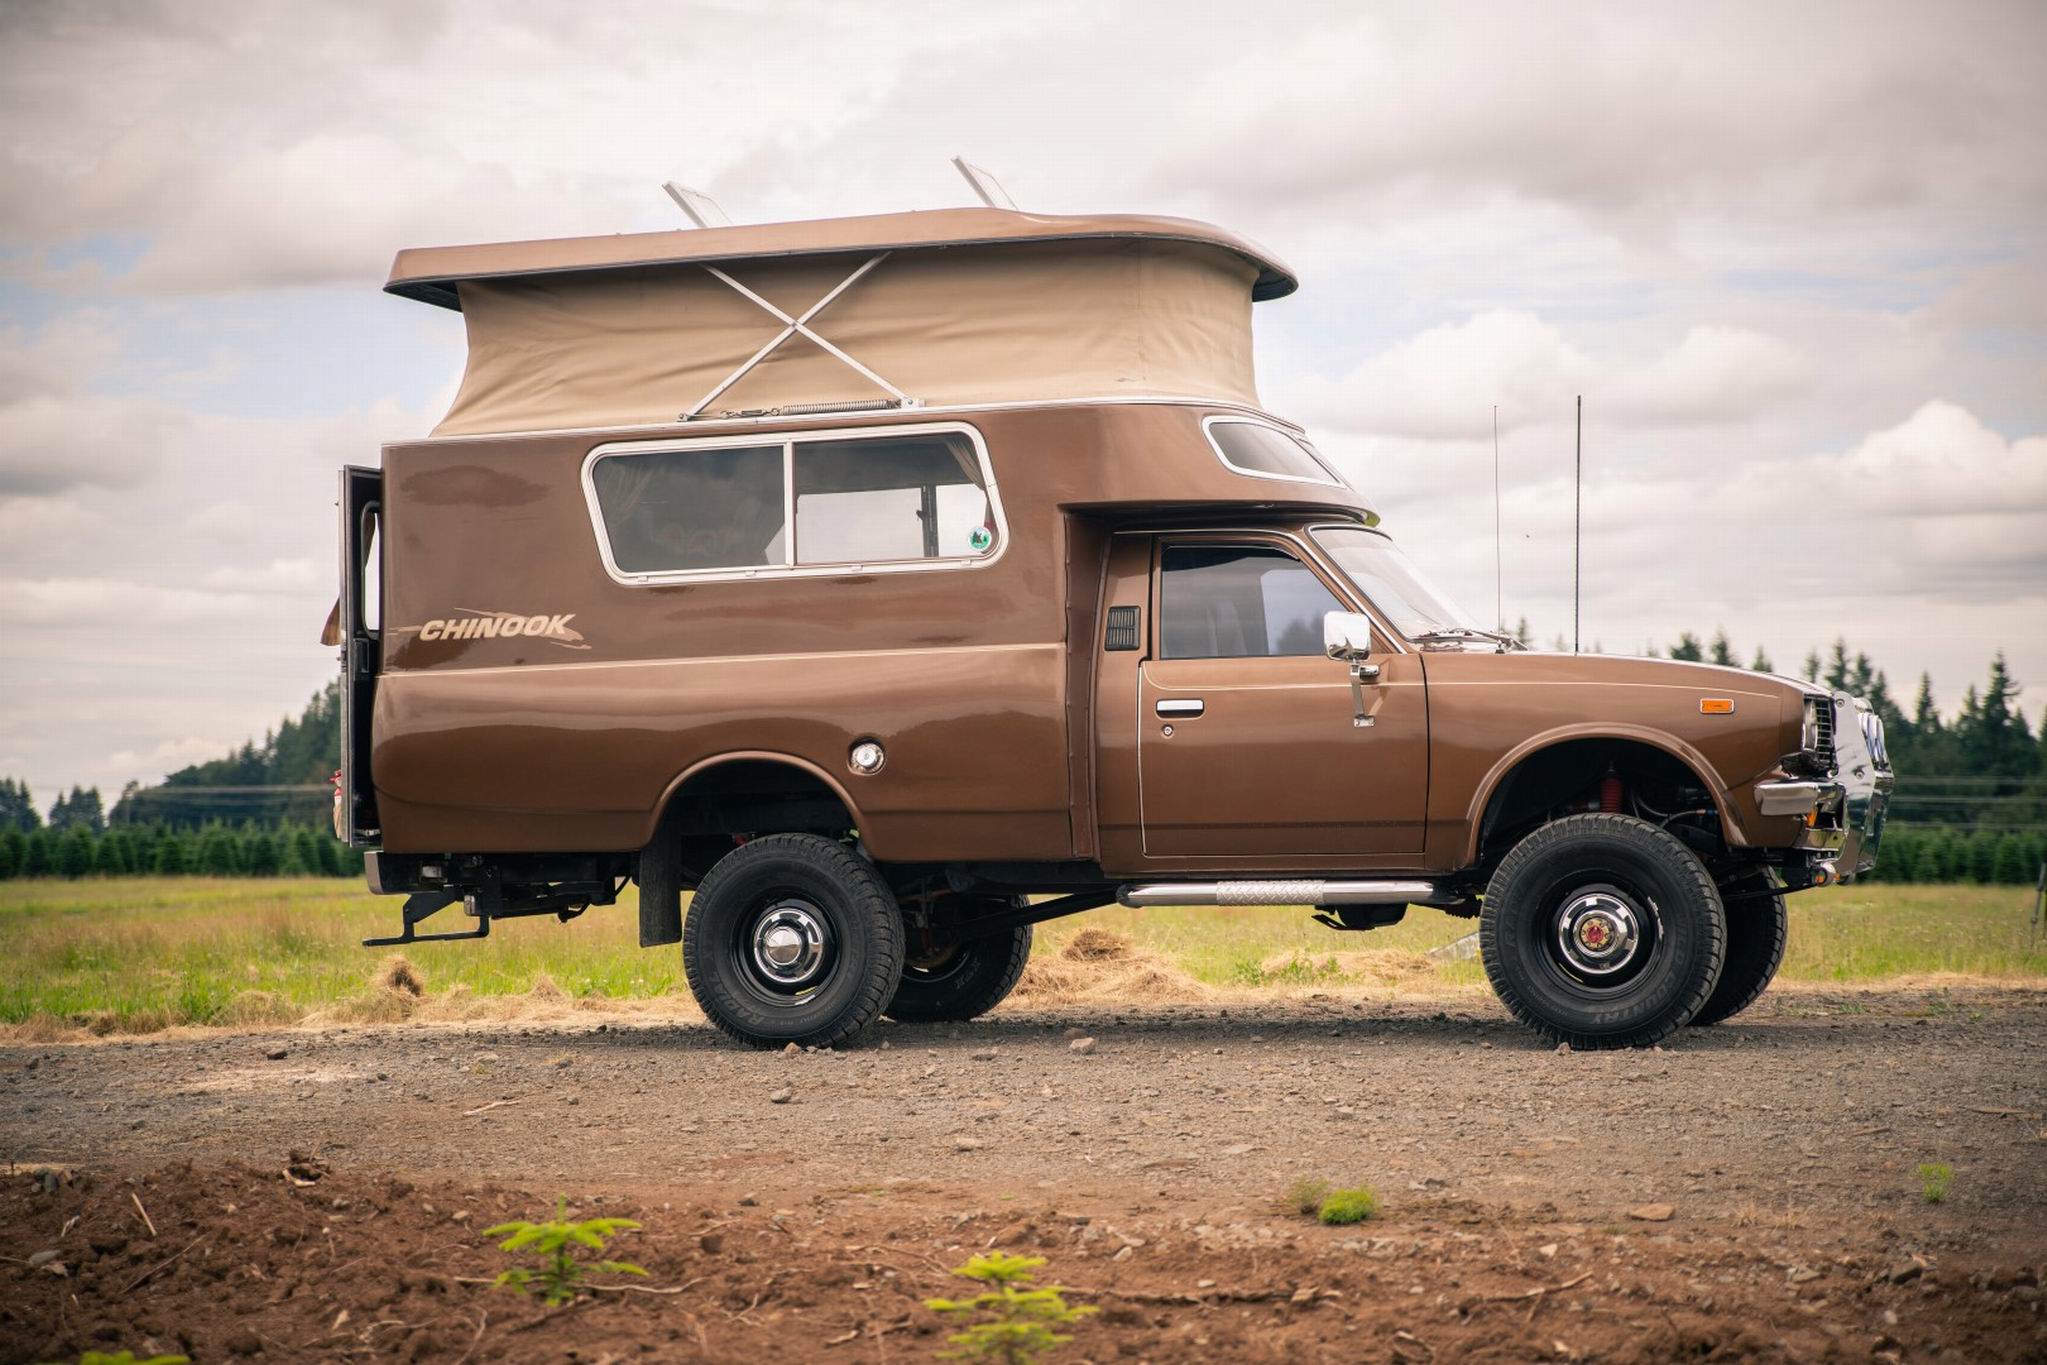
{"points": [[132, 955]]}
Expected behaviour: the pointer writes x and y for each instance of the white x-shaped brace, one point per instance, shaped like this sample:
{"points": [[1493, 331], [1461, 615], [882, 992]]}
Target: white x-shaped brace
{"points": [[791, 327]]}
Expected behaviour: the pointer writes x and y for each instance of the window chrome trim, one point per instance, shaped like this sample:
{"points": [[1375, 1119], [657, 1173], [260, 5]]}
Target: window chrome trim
{"points": [[1296, 435], [789, 568]]}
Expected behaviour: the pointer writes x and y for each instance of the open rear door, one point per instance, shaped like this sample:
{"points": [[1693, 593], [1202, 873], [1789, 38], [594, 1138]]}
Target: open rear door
{"points": [[362, 651]]}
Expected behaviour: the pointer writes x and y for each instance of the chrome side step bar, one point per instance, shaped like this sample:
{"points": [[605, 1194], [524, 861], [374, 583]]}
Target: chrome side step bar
{"points": [[1300, 891]]}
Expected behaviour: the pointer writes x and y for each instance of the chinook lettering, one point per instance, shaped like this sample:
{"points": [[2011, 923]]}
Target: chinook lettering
{"points": [[501, 625]]}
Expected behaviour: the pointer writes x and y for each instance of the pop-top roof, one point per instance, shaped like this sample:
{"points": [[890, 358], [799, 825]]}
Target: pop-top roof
{"points": [[430, 274], [958, 306]]}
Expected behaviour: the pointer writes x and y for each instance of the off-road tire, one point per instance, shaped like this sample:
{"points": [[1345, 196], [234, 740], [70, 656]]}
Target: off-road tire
{"points": [[840, 894], [974, 979], [1679, 923], [1756, 926]]}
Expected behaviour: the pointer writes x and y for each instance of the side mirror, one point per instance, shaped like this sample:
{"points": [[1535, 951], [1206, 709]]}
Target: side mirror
{"points": [[1347, 636]]}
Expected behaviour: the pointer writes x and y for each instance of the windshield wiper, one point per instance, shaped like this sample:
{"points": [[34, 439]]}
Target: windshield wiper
{"points": [[1500, 638]]}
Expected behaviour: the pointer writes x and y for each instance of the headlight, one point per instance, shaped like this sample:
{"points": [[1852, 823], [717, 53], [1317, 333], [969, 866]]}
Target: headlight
{"points": [[1816, 740], [1873, 736]]}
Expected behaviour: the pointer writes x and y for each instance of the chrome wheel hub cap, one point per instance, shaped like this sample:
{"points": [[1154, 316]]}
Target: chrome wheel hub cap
{"points": [[788, 944], [1598, 932]]}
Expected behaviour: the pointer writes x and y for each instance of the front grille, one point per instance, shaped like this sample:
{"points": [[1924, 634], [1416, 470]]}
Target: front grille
{"points": [[1823, 724]]}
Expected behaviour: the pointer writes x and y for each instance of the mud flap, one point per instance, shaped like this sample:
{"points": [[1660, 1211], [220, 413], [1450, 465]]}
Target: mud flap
{"points": [[660, 879]]}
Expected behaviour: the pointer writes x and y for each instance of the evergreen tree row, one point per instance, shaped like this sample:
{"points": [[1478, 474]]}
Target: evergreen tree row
{"points": [[1987, 857], [215, 850]]}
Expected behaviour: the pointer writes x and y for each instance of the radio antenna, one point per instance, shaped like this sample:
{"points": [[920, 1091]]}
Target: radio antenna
{"points": [[1499, 591], [1578, 526]]}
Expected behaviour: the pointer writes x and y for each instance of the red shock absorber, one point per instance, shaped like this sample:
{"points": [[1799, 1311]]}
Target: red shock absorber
{"points": [[1610, 792]]}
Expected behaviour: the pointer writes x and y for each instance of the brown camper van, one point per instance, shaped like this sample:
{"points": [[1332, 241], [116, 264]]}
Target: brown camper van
{"points": [[895, 584]]}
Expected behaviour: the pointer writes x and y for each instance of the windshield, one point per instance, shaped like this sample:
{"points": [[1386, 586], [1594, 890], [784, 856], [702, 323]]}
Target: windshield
{"points": [[1392, 582]]}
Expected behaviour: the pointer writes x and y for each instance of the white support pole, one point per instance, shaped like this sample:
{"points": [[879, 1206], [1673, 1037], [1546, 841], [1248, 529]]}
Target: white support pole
{"points": [[791, 327]]}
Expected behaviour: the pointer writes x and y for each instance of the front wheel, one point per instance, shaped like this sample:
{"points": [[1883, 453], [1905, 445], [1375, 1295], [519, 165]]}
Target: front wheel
{"points": [[1757, 925], [1602, 931], [793, 938]]}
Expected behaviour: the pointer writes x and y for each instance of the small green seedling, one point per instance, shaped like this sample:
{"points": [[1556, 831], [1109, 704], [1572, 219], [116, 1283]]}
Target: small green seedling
{"points": [[560, 1275], [1348, 1206], [1020, 1322], [1933, 1181], [1306, 1194]]}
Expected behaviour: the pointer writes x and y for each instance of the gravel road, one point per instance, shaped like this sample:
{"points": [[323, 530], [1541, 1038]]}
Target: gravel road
{"points": [[1796, 1132]]}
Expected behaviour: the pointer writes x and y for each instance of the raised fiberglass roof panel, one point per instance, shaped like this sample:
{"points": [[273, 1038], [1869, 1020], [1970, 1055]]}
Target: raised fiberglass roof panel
{"points": [[431, 274]]}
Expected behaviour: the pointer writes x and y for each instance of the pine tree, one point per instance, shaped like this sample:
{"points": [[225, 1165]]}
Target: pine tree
{"points": [[18, 807], [1723, 652], [259, 854], [1762, 662], [10, 854], [1837, 667], [173, 859], [1810, 669], [38, 859], [306, 844], [218, 854], [75, 852], [1688, 648], [1992, 736], [1524, 634]]}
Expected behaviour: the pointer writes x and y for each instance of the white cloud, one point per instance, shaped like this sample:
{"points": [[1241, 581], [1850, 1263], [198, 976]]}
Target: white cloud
{"points": [[1943, 461], [296, 576], [1443, 383]]}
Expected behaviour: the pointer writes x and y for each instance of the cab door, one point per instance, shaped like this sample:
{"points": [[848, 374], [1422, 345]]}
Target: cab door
{"points": [[1248, 746]]}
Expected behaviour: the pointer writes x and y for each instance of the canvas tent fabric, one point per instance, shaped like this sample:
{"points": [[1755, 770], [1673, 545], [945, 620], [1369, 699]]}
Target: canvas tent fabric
{"points": [[565, 335]]}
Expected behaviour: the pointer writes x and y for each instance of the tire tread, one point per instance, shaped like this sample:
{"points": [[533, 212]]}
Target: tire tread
{"points": [[1660, 844], [882, 919]]}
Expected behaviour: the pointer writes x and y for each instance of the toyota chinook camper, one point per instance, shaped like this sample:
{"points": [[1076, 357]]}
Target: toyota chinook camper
{"points": [[894, 584]]}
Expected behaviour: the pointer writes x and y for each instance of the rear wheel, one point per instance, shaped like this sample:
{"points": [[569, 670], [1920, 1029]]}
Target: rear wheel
{"points": [[963, 981], [793, 939], [1756, 927], [1602, 931]]}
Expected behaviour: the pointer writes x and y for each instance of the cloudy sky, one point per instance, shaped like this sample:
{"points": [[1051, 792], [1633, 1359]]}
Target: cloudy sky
{"points": [[1794, 256]]}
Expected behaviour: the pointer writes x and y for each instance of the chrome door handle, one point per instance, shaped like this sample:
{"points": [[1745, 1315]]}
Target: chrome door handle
{"points": [[1182, 707]]}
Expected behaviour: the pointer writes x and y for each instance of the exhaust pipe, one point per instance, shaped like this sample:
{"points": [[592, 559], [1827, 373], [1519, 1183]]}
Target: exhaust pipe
{"points": [[1301, 891]]}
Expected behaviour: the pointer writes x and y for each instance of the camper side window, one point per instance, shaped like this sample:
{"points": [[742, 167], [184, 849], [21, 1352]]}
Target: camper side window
{"points": [[677, 510], [893, 499], [908, 497]]}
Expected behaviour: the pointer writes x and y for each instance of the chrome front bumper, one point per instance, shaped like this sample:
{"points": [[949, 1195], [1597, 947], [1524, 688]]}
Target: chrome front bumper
{"points": [[1851, 803]]}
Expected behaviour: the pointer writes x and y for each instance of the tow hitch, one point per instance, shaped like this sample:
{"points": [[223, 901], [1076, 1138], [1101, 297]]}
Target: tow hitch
{"points": [[487, 889]]}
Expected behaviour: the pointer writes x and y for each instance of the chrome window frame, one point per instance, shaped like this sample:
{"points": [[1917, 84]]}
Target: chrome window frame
{"points": [[789, 568], [1298, 437]]}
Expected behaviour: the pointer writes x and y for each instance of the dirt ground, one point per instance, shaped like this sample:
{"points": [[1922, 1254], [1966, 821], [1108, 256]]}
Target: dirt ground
{"points": [[1148, 1168]]}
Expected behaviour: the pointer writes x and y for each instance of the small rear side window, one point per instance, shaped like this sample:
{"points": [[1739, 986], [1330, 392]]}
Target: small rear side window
{"points": [[1267, 453]]}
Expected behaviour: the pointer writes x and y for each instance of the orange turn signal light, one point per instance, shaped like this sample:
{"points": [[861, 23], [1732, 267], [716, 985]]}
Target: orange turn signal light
{"points": [[1716, 706]]}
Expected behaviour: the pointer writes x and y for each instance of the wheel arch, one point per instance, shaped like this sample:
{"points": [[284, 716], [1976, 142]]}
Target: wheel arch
{"points": [[679, 829], [1533, 755]]}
